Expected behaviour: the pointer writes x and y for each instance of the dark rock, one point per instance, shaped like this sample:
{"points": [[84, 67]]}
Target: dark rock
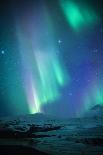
{"points": [[20, 150], [91, 141]]}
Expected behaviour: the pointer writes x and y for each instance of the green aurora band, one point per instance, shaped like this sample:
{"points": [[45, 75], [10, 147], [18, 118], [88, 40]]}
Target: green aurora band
{"points": [[43, 70], [44, 87], [78, 15]]}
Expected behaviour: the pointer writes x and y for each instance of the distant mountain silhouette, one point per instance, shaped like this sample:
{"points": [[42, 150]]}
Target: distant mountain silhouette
{"points": [[96, 111], [97, 107], [41, 116]]}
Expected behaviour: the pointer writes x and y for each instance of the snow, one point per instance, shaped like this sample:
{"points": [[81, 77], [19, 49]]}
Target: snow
{"points": [[56, 136]]}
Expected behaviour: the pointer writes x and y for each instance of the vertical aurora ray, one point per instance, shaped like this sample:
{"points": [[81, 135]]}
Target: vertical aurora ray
{"points": [[78, 15], [51, 76], [31, 94], [97, 94], [44, 87], [43, 71]]}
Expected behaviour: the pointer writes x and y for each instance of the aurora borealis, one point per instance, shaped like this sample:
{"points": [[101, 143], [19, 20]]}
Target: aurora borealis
{"points": [[78, 15], [44, 72], [51, 56]]}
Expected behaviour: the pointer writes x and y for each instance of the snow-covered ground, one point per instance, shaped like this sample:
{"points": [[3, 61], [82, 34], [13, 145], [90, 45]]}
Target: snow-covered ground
{"points": [[75, 136]]}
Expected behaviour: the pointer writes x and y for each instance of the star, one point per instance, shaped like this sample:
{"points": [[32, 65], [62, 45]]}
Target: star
{"points": [[70, 94], [88, 80], [59, 41], [2, 52]]}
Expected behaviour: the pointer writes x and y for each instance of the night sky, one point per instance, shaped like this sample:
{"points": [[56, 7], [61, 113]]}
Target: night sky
{"points": [[51, 56]]}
